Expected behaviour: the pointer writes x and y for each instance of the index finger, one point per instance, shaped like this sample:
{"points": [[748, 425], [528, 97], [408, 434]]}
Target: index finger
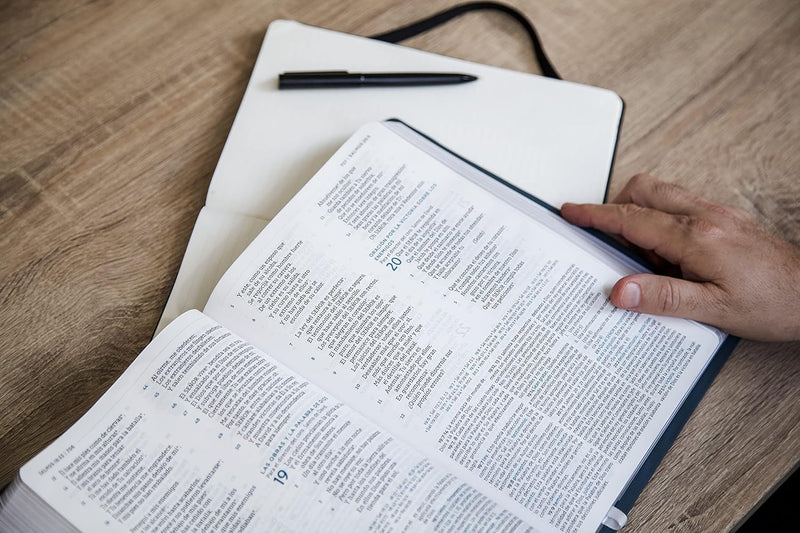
{"points": [[667, 235]]}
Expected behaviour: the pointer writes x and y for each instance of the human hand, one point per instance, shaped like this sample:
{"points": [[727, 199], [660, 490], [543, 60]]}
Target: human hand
{"points": [[735, 274]]}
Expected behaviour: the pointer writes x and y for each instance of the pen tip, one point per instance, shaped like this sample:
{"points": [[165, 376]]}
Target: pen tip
{"points": [[467, 77]]}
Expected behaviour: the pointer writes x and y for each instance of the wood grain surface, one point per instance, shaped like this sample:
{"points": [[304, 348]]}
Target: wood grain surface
{"points": [[114, 113]]}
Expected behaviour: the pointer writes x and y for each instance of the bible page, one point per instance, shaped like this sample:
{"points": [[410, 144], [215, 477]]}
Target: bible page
{"points": [[468, 321], [206, 433]]}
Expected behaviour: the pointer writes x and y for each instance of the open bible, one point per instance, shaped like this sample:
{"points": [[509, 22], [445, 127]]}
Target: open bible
{"points": [[411, 344]]}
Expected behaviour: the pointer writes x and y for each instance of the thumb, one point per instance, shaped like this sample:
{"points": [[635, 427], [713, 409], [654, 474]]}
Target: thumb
{"points": [[663, 295]]}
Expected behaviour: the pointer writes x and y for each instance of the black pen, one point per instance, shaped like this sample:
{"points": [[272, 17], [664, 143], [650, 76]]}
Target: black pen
{"points": [[342, 78]]}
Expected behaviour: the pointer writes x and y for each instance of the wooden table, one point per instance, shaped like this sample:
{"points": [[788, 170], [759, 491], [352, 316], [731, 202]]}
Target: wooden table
{"points": [[114, 114]]}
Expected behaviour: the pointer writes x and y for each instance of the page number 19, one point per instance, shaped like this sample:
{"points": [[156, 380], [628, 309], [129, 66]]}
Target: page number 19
{"points": [[394, 262], [280, 477]]}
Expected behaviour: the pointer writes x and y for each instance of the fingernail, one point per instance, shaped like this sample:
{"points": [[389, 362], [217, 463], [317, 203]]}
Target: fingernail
{"points": [[631, 295]]}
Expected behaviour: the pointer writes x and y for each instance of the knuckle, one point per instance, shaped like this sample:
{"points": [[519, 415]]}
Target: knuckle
{"points": [[662, 188], [720, 209], [698, 226], [684, 222], [704, 227], [629, 210], [628, 215], [726, 212], [673, 191], [668, 299], [736, 214]]}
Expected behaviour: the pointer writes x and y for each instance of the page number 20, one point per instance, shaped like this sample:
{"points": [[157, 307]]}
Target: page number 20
{"points": [[394, 262]]}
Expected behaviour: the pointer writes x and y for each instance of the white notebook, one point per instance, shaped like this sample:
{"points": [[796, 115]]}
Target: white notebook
{"points": [[553, 138]]}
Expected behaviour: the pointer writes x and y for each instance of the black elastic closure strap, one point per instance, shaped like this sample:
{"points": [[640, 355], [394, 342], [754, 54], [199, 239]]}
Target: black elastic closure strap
{"points": [[415, 28]]}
